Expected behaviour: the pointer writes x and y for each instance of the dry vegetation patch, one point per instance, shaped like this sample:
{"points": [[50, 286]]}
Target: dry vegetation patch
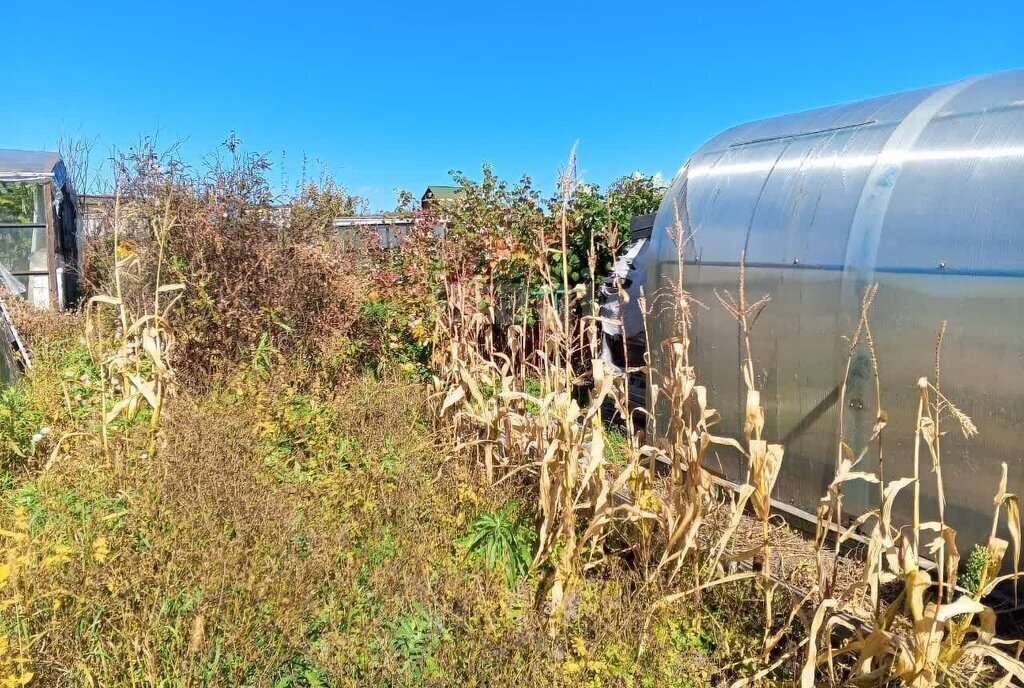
{"points": [[200, 488], [204, 564]]}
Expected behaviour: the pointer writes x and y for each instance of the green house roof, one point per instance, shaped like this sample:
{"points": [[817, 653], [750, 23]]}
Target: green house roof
{"points": [[440, 192]]}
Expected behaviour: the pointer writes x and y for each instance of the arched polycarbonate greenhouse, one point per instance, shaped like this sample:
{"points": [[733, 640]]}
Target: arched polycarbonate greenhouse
{"points": [[921, 192]]}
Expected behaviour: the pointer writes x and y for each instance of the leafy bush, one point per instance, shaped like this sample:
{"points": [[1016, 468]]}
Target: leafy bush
{"points": [[491, 228], [496, 235], [390, 339], [604, 218], [252, 268]]}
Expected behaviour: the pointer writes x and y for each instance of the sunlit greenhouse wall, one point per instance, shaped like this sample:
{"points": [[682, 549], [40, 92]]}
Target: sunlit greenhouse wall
{"points": [[921, 192]]}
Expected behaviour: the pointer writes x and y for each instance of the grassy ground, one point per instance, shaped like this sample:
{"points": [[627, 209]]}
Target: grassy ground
{"points": [[288, 532]]}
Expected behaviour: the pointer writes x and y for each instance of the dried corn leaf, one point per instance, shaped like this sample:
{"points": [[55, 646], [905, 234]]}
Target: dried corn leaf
{"points": [[963, 605], [147, 388], [765, 462], [753, 422], [1011, 665], [888, 497], [1013, 523], [455, 396], [996, 553], [810, 665]]}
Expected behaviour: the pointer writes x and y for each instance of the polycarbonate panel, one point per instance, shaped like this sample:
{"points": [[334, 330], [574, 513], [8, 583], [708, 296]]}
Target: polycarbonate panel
{"points": [[922, 192], [19, 165], [38, 293], [21, 287], [958, 203], [23, 249]]}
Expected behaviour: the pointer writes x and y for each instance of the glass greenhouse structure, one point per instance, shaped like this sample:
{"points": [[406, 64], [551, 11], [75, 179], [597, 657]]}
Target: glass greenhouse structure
{"points": [[921, 192], [39, 238]]}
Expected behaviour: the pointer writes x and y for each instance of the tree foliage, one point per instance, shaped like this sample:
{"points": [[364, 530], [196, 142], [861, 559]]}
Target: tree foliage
{"points": [[604, 217], [494, 228]]}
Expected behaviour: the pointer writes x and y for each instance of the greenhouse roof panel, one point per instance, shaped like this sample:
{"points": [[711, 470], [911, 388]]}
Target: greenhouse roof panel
{"points": [[22, 165]]}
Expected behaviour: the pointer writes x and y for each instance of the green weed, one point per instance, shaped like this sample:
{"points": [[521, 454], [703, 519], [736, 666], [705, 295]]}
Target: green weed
{"points": [[502, 540], [616, 447], [20, 424], [302, 672], [415, 638], [302, 440]]}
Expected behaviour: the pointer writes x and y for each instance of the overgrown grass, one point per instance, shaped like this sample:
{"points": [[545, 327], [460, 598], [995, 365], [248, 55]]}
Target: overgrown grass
{"points": [[287, 533]]}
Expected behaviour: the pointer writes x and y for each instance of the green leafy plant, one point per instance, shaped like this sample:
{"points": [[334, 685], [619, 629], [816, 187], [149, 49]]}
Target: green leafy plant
{"points": [[263, 355], [302, 672], [302, 438], [415, 638], [391, 339], [502, 539], [601, 219], [492, 228], [20, 424], [689, 634]]}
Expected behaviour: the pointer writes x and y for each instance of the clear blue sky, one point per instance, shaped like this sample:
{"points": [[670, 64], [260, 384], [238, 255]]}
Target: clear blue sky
{"points": [[396, 94]]}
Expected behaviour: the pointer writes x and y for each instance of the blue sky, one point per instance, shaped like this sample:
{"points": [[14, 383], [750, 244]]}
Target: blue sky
{"points": [[396, 94]]}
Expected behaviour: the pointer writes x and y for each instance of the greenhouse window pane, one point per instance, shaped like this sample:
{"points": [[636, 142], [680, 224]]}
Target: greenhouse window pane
{"points": [[21, 203], [23, 249]]}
